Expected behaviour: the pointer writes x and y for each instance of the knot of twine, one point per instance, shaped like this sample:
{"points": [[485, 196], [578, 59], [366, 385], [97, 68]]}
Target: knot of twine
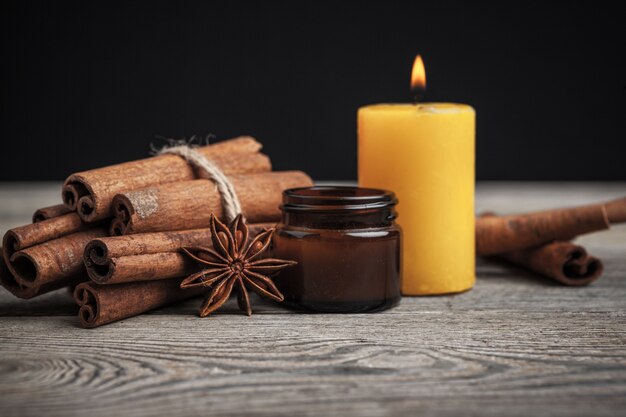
{"points": [[230, 201]]}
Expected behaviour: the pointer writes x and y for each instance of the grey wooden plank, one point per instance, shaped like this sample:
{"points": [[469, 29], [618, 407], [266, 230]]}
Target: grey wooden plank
{"points": [[434, 362], [514, 345]]}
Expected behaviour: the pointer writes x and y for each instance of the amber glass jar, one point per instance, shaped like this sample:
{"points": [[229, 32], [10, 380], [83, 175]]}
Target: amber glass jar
{"points": [[347, 247]]}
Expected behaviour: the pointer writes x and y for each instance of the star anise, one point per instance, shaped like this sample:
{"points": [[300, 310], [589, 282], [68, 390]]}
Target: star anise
{"points": [[234, 261]]}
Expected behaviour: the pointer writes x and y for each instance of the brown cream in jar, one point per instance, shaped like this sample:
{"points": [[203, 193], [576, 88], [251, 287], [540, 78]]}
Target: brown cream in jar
{"points": [[347, 246]]}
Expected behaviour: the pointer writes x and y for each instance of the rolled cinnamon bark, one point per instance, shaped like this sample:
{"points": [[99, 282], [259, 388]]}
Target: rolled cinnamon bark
{"points": [[499, 234], [147, 256], [564, 262], [53, 261], [45, 264], [10, 283], [23, 237], [189, 204], [46, 213], [90, 192], [102, 304], [148, 267]]}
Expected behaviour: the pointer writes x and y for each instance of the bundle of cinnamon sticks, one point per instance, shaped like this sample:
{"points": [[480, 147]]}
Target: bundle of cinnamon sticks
{"points": [[116, 238], [541, 241]]}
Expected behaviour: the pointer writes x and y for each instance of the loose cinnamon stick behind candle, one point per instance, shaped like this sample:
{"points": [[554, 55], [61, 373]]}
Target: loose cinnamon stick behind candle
{"points": [[499, 234], [189, 204], [10, 284], [52, 261], [564, 262], [91, 192], [147, 256], [102, 304], [46, 213]]}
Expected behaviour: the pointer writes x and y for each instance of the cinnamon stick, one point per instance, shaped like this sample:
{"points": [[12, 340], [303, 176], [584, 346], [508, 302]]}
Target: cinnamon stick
{"points": [[53, 261], [102, 304], [90, 192], [10, 284], [23, 237], [36, 254], [564, 262], [500, 234], [189, 204], [46, 213], [8, 281], [147, 256]]}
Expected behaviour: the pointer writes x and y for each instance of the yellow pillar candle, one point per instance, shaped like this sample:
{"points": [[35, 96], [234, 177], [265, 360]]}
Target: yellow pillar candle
{"points": [[425, 154]]}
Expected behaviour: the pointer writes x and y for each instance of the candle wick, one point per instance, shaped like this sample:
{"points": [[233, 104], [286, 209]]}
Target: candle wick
{"points": [[418, 95]]}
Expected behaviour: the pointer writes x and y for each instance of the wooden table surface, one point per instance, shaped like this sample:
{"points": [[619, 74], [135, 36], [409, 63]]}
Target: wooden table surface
{"points": [[514, 345]]}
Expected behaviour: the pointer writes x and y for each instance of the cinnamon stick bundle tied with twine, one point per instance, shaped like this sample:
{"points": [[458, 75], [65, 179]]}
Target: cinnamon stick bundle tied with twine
{"points": [[91, 192], [101, 304], [153, 256], [49, 254]]}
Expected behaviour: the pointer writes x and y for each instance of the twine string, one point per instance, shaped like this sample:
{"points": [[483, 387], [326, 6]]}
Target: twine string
{"points": [[230, 201]]}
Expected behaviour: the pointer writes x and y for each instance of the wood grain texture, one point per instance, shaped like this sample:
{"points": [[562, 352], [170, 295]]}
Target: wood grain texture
{"points": [[517, 344]]}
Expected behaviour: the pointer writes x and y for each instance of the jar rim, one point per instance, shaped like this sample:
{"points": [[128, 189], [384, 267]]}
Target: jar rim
{"points": [[336, 198]]}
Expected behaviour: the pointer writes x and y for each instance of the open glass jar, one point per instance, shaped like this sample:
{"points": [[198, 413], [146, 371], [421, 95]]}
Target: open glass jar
{"points": [[347, 247]]}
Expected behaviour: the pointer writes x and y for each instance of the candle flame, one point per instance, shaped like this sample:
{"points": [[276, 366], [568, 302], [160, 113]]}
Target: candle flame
{"points": [[418, 78]]}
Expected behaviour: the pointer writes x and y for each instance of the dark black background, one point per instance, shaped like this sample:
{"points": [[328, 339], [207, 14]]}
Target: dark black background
{"points": [[93, 83]]}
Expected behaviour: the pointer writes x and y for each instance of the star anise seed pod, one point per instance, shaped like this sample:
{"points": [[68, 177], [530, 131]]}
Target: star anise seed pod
{"points": [[234, 261]]}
